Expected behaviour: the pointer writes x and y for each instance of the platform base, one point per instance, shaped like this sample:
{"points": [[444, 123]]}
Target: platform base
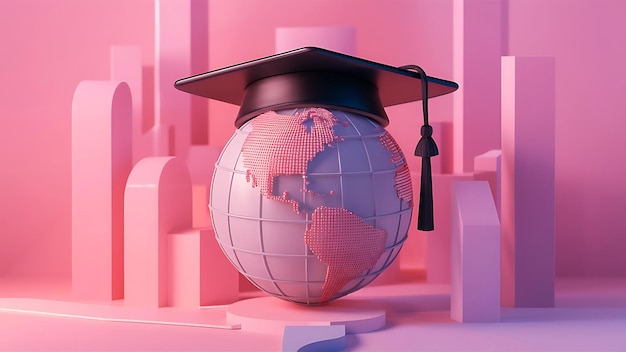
{"points": [[271, 315]]}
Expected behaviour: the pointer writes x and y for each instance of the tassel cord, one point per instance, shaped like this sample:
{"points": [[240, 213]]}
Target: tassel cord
{"points": [[424, 81], [426, 148]]}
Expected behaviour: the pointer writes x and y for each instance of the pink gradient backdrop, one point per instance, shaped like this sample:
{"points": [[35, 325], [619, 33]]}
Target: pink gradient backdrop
{"points": [[48, 47]]}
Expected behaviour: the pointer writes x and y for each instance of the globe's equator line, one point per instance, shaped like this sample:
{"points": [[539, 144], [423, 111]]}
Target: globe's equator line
{"points": [[287, 255], [297, 221], [320, 174]]}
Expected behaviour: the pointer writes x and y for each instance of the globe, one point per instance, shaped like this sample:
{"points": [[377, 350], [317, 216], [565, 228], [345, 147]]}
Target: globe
{"points": [[311, 204]]}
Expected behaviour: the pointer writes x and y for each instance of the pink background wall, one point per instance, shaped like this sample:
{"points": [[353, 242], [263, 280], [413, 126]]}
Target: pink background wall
{"points": [[49, 46]]}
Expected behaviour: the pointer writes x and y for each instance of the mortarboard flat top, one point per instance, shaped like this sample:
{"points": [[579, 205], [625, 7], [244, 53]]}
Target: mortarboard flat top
{"points": [[312, 77]]}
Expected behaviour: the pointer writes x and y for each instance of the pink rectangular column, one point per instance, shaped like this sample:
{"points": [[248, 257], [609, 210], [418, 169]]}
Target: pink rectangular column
{"points": [[181, 35], [126, 66], [199, 273], [157, 202], [528, 198], [201, 215], [476, 36], [488, 167], [337, 38], [101, 162], [438, 241], [201, 164], [475, 254]]}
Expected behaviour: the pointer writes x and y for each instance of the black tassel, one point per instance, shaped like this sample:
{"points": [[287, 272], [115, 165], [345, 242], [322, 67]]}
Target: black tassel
{"points": [[426, 148]]}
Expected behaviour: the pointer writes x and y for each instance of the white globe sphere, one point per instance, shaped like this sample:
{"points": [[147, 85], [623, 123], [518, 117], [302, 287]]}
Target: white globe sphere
{"points": [[311, 204]]}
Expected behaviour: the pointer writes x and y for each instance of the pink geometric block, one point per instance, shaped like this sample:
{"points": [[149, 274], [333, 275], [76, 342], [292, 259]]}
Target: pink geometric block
{"points": [[475, 254], [160, 137], [177, 40], [201, 164], [476, 61], [340, 39], [101, 162], [488, 167], [270, 315], [199, 273], [438, 242], [201, 216], [184, 279], [157, 202], [126, 66], [528, 197], [219, 280]]}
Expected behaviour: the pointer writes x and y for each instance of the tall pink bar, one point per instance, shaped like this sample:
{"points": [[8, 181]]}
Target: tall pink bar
{"points": [[180, 27], [488, 167], [438, 241], [475, 254], [528, 198], [339, 38], [101, 162], [476, 68], [126, 66], [157, 202]]}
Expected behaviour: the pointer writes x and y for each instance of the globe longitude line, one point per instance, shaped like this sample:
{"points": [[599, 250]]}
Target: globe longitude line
{"points": [[391, 257], [305, 247], [230, 189], [369, 163], [262, 246]]}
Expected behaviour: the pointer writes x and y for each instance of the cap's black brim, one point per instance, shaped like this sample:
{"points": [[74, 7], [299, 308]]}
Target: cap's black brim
{"points": [[394, 85]]}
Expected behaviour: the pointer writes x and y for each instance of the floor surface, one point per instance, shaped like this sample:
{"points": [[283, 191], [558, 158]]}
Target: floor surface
{"points": [[590, 315]]}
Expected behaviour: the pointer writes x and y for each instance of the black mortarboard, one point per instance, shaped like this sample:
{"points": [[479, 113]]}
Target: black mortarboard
{"points": [[314, 77]]}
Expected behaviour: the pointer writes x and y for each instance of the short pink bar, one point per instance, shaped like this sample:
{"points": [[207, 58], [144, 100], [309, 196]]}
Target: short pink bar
{"points": [[528, 197], [488, 167], [199, 273], [438, 242], [475, 254], [101, 162]]}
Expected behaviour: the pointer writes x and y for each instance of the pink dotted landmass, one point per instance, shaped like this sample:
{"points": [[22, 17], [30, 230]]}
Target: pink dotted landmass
{"points": [[347, 245], [403, 186], [284, 145]]}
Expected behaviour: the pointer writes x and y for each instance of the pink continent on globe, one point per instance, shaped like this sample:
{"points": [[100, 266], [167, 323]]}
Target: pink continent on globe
{"points": [[347, 245], [284, 145], [403, 174]]}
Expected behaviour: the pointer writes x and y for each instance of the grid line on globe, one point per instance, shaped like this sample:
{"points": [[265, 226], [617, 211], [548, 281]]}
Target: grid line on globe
{"points": [[320, 201]]}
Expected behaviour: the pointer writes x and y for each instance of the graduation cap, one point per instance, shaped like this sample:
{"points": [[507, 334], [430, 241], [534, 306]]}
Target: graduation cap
{"points": [[314, 77]]}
